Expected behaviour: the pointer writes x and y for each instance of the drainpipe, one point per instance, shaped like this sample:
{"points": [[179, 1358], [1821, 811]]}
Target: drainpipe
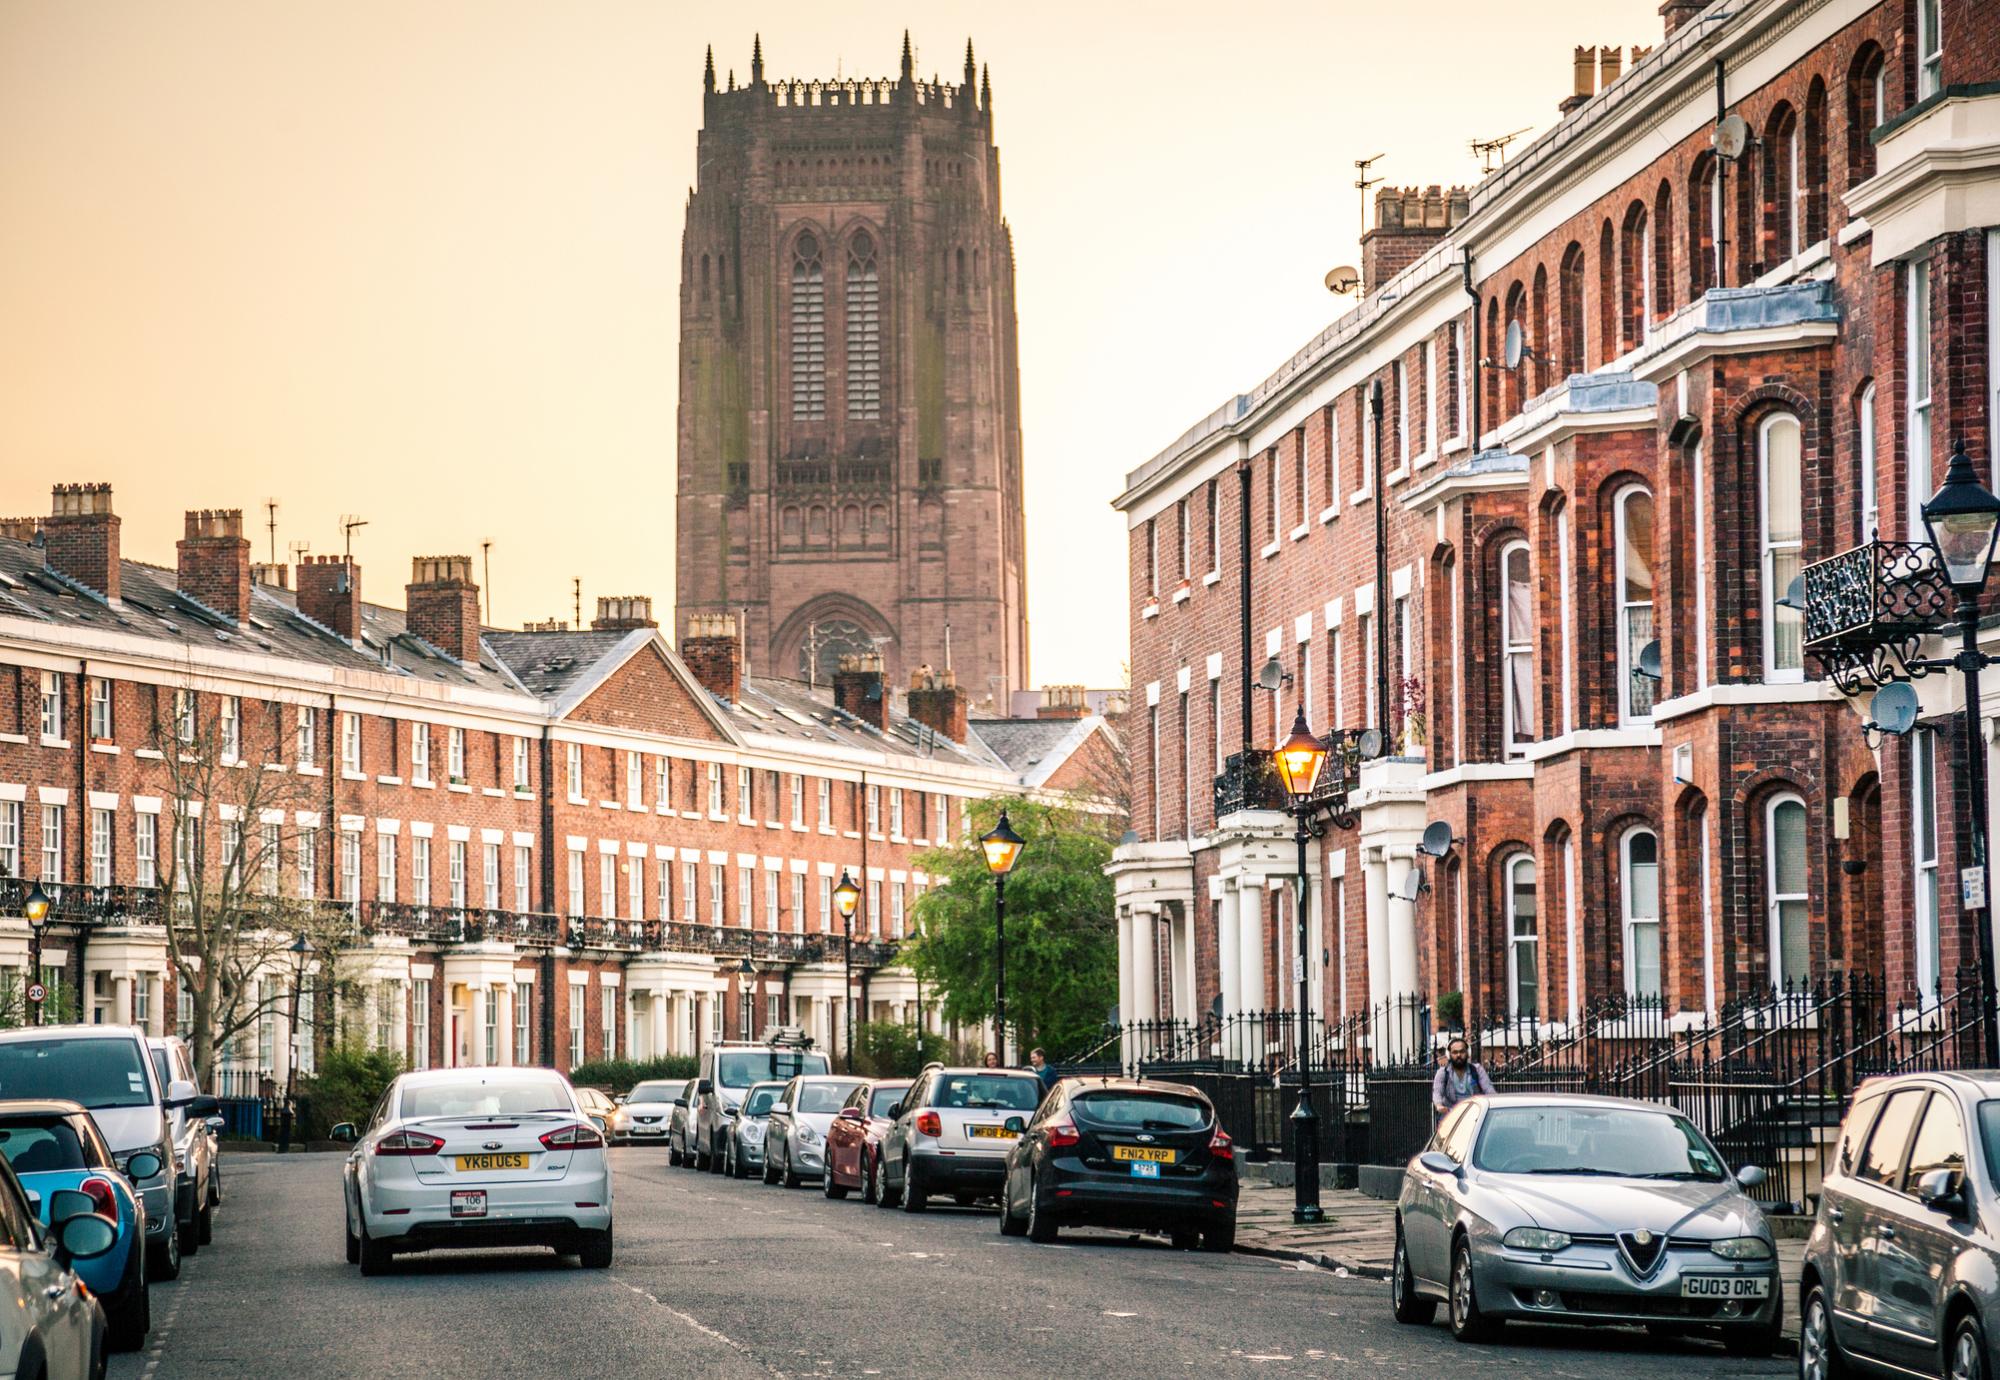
{"points": [[1381, 571], [1478, 361], [548, 891], [1243, 542], [1722, 181], [81, 929]]}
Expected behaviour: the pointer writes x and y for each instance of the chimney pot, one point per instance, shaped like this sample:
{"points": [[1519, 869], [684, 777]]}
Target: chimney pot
{"points": [[329, 590], [215, 561], [858, 688], [623, 612], [81, 536], [714, 653], [1408, 221], [443, 605], [1679, 12], [936, 700]]}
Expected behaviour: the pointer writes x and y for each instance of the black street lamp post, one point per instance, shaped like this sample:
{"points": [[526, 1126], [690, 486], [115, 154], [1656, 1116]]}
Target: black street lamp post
{"points": [[1002, 847], [1299, 759], [300, 949], [746, 979], [845, 895], [37, 911]]}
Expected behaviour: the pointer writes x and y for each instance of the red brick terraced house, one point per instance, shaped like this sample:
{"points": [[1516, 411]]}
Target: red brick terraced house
{"points": [[1730, 358], [556, 845]]}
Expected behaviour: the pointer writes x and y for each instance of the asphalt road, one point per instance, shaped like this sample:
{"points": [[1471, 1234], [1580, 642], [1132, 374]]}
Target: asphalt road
{"points": [[720, 1279]]}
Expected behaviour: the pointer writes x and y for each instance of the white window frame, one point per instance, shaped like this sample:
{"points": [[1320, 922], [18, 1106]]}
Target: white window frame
{"points": [[1628, 654], [718, 899], [520, 764], [230, 730], [306, 744], [798, 790], [52, 715], [1795, 151], [385, 868], [573, 901], [1917, 412], [524, 1023], [350, 742], [1516, 941], [420, 754], [420, 870], [489, 874], [1516, 644], [1770, 550], [746, 796], [1775, 900], [690, 885], [145, 848], [455, 856], [454, 755], [1926, 907], [573, 771], [522, 859], [1930, 48], [100, 709], [635, 888], [771, 898], [607, 885], [1630, 921], [635, 780], [101, 822]]}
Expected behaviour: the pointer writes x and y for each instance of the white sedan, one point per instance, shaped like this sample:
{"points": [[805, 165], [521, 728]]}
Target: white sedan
{"points": [[471, 1158]]}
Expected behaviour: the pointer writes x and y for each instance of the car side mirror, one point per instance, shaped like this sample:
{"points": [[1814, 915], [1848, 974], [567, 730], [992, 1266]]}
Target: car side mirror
{"points": [[34, 1202], [680, 1102], [1938, 1189], [345, 1133], [1750, 1175], [141, 1167], [895, 1111], [216, 1124], [622, 1098], [704, 1088], [850, 1114], [201, 1107], [180, 1092], [84, 1237], [66, 1203], [1438, 1162], [1016, 1125], [781, 1109]]}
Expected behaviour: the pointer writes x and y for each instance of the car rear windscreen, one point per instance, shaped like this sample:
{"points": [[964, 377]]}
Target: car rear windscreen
{"points": [[655, 1092], [822, 1097], [1141, 1111], [739, 1068], [989, 1092], [882, 1099], [493, 1096], [38, 1145], [96, 1072]]}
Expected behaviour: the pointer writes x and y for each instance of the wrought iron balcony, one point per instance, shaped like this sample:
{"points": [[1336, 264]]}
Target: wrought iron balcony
{"points": [[74, 903], [1868, 608], [1250, 780]]}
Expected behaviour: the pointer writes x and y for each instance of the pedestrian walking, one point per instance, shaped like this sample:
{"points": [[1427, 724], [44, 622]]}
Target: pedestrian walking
{"points": [[1458, 1078], [1039, 1062]]}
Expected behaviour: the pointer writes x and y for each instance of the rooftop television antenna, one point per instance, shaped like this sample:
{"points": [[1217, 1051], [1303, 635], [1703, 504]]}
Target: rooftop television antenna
{"points": [[271, 526], [1362, 182], [1491, 153], [486, 577], [348, 522]]}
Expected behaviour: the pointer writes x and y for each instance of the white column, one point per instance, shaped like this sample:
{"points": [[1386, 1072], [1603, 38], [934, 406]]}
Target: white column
{"points": [[1375, 900], [658, 1012], [1250, 936], [1127, 997], [1316, 945], [504, 995], [1145, 963], [1225, 953], [1402, 932], [475, 1018], [121, 1000]]}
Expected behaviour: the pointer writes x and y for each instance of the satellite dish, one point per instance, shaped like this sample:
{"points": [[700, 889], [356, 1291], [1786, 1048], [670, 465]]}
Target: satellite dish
{"points": [[1649, 660], [1517, 344], [1894, 708], [1343, 280], [1795, 594], [1732, 136], [1370, 744], [1412, 886], [1437, 840], [1272, 676]]}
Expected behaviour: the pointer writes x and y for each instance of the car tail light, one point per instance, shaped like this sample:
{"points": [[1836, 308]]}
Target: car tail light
{"points": [[930, 1124], [103, 1199], [408, 1143], [576, 1137], [1063, 1134], [1221, 1146]]}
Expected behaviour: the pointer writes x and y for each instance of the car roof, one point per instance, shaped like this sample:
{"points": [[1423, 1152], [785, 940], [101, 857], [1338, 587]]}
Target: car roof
{"points": [[955, 1071], [826, 1078], [1112, 1083], [469, 1073], [889, 1082], [74, 1031], [1980, 1082], [164, 1041], [1562, 1099], [42, 1106], [768, 1083]]}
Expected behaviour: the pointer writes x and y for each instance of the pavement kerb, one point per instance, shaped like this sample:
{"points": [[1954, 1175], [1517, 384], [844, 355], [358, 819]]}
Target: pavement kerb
{"points": [[1324, 1262]]}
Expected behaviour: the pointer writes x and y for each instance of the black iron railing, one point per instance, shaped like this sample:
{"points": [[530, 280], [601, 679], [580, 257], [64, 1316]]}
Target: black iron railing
{"points": [[1868, 608], [1249, 781]]}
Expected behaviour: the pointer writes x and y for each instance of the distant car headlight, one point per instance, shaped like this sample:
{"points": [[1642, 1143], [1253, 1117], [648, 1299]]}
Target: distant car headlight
{"points": [[808, 1136], [753, 1130], [1742, 1248], [1535, 1239]]}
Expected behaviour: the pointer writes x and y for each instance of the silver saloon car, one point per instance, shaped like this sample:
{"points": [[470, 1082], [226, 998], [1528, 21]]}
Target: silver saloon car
{"points": [[1572, 1209]]}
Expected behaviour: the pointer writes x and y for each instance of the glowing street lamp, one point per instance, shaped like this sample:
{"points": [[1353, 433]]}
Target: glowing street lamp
{"points": [[1002, 847]]}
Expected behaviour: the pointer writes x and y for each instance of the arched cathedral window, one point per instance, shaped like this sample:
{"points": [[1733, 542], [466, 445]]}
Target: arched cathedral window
{"points": [[808, 331], [864, 331]]}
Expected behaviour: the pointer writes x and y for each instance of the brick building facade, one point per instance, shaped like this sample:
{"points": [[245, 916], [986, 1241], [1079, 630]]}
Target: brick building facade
{"points": [[549, 846], [849, 433], [1578, 649]]}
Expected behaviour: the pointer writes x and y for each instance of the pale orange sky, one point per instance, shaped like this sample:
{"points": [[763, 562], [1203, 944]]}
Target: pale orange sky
{"points": [[420, 261]]}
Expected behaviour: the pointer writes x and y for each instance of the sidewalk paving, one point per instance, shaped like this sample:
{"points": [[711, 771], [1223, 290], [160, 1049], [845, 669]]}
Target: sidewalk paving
{"points": [[1359, 1237]]}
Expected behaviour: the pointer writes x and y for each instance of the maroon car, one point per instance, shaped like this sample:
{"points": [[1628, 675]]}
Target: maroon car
{"points": [[854, 1145]]}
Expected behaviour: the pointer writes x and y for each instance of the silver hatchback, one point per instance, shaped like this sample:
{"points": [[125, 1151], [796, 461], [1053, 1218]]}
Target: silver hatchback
{"points": [[1902, 1270]]}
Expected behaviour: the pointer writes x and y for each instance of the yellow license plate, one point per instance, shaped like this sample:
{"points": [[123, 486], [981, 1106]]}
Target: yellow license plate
{"points": [[1142, 1152], [992, 1133], [478, 1164]]}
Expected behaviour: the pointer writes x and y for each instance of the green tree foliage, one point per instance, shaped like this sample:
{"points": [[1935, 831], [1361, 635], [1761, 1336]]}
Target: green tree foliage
{"points": [[348, 1083], [1062, 935], [888, 1049], [622, 1075]]}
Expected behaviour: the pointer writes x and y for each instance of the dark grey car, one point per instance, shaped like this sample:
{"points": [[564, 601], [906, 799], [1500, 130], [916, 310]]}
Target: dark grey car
{"points": [[1902, 1270], [743, 1148]]}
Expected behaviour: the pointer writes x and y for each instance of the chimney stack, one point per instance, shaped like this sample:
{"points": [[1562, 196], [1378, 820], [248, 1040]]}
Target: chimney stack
{"points": [[270, 576], [215, 562], [936, 701], [714, 652], [1585, 80], [858, 688], [330, 593], [1679, 12], [1408, 221], [623, 613], [442, 605], [21, 529], [1063, 702], [82, 536], [1610, 64]]}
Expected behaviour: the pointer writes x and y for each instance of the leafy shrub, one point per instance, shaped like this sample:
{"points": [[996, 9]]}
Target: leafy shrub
{"points": [[348, 1083], [620, 1074]]}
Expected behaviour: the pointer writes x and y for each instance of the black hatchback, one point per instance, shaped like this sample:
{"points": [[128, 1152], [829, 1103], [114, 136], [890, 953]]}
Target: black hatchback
{"points": [[1114, 1152]]}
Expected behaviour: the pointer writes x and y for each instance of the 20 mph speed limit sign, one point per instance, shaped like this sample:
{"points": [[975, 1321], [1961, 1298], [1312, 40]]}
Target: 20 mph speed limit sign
{"points": [[37, 992]]}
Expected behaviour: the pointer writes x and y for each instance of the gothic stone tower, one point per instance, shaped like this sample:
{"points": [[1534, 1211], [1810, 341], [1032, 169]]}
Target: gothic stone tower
{"points": [[850, 437]]}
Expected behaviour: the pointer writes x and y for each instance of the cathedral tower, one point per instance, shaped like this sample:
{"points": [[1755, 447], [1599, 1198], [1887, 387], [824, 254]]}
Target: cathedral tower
{"points": [[849, 431]]}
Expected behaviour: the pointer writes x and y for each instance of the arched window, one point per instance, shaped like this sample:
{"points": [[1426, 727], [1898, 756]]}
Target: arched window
{"points": [[1516, 379], [1865, 482], [1784, 168], [1491, 376], [1569, 294], [1662, 296], [1538, 329], [1865, 90], [1636, 275], [1634, 535], [808, 331], [1924, 853], [1813, 187], [1639, 878], [864, 331], [1779, 479], [1523, 939], [1785, 908], [1704, 214], [1607, 294], [1517, 627]]}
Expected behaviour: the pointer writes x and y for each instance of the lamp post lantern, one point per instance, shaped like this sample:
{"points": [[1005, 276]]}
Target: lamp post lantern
{"points": [[845, 895], [1963, 520], [1299, 759], [1002, 847], [300, 949], [36, 908], [746, 978]]}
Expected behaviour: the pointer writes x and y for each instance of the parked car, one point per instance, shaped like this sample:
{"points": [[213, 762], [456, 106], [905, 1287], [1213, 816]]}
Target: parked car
{"points": [[647, 1112], [55, 1147], [951, 1134], [728, 1070], [743, 1149], [50, 1324], [1114, 1152], [195, 1143], [1900, 1268], [1576, 1209], [476, 1157], [680, 1127], [110, 1071], [854, 1143], [598, 1106], [795, 1137]]}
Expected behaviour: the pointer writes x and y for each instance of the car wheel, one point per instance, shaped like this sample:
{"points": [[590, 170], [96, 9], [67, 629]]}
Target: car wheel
{"points": [[190, 1235], [770, 1171], [715, 1158], [915, 1199], [132, 1319], [594, 1252], [353, 1241], [375, 1258], [1468, 1324], [1041, 1227], [1820, 1357], [789, 1175], [827, 1184], [1408, 1305], [204, 1224], [1219, 1239], [1967, 1358], [1010, 1225], [700, 1160], [163, 1258]]}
